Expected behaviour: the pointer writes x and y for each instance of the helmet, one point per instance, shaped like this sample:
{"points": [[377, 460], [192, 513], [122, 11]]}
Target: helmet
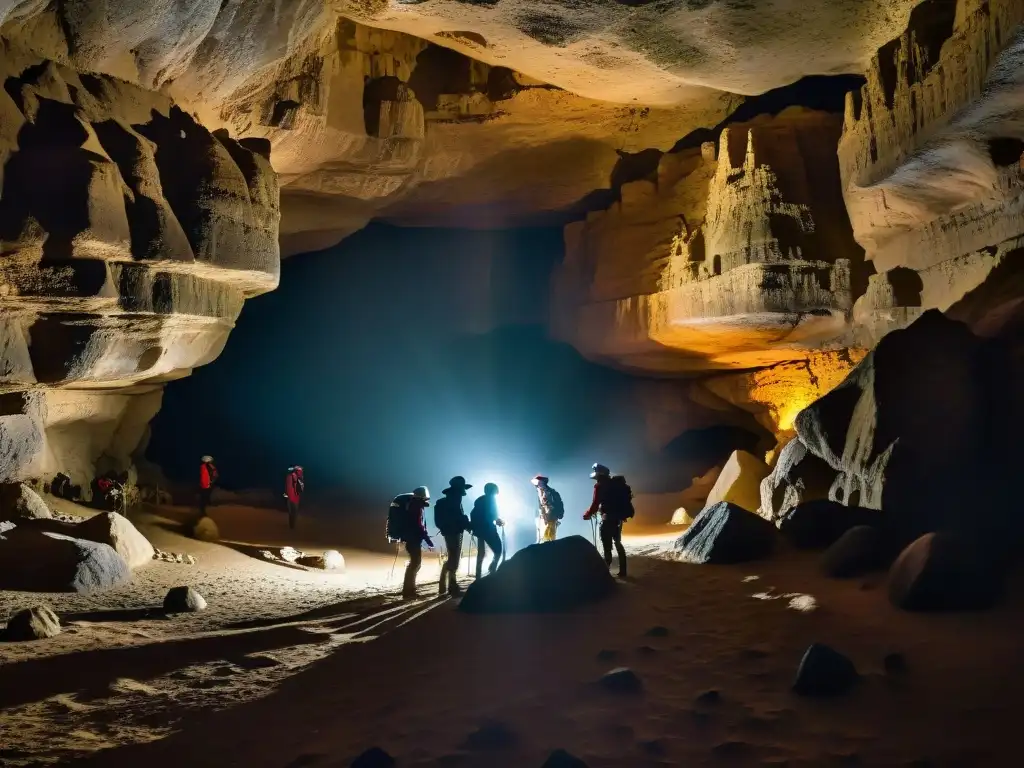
{"points": [[422, 492], [539, 479], [490, 489], [599, 470], [206, 459]]}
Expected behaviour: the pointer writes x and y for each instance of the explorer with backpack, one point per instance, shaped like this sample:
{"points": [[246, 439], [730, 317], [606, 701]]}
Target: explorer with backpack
{"points": [[551, 509], [613, 500], [406, 524], [452, 522]]}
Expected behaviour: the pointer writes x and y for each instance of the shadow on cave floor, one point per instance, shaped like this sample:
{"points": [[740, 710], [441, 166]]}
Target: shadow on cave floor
{"points": [[256, 551], [115, 615]]}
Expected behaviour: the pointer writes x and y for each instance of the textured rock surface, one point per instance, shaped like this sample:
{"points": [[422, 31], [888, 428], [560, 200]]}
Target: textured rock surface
{"points": [[552, 577], [36, 623], [117, 531], [725, 533], [131, 236], [820, 523], [739, 482], [18, 500], [183, 600], [824, 672], [735, 256], [915, 425], [42, 561], [930, 158], [797, 477]]}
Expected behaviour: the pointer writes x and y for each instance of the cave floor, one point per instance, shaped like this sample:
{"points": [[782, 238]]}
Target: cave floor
{"points": [[295, 668]]}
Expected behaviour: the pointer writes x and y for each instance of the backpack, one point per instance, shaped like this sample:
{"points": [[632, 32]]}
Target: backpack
{"points": [[619, 502], [447, 515], [557, 507], [398, 518]]}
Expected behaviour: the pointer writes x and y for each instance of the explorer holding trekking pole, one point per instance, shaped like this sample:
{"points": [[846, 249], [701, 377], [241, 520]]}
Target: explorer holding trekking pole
{"points": [[613, 500]]}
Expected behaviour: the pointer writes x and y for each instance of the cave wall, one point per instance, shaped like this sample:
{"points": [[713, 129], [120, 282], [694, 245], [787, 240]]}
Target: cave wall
{"points": [[130, 236]]}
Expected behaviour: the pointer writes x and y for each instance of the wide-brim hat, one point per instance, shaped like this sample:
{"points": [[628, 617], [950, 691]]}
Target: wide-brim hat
{"points": [[458, 483], [539, 479]]}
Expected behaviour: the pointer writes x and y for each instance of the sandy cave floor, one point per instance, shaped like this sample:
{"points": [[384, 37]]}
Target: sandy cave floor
{"points": [[290, 667]]}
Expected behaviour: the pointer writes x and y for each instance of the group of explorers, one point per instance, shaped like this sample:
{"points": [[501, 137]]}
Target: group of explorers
{"points": [[612, 502]]}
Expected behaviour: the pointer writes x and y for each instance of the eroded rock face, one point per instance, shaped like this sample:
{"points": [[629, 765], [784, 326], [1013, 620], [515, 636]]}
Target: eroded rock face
{"points": [[931, 162], [738, 256], [130, 237]]}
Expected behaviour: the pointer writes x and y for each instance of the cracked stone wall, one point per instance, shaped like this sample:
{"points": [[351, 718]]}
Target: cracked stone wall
{"points": [[130, 236]]}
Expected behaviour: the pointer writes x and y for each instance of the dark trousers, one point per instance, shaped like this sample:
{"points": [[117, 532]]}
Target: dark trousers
{"points": [[415, 551], [611, 533], [450, 572], [491, 538], [293, 513], [204, 500]]}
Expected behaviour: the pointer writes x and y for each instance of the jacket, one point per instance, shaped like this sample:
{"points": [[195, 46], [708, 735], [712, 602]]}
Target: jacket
{"points": [[484, 515], [294, 486], [547, 504], [416, 530], [207, 476], [600, 495]]}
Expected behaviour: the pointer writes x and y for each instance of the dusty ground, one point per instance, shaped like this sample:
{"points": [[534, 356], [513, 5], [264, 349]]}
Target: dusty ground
{"points": [[290, 668]]}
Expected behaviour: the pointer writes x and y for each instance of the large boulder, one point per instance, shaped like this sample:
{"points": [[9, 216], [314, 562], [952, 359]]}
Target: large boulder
{"points": [[921, 429], [36, 623], [44, 561], [739, 482], [944, 571], [17, 500], [550, 577], [819, 524], [859, 550], [726, 533], [117, 531], [798, 477]]}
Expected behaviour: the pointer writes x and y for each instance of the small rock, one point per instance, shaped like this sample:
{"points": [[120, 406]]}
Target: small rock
{"points": [[184, 600], [5, 526], [562, 759], [190, 559], [709, 697], [895, 664], [179, 558], [607, 655], [32, 624], [491, 735], [646, 650], [657, 632], [205, 529], [622, 680], [18, 500], [681, 517], [824, 672], [290, 554], [332, 560], [374, 757]]}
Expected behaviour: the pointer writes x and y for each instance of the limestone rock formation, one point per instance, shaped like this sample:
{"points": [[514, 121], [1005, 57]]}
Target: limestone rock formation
{"points": [[915, 425], [735, 256], [739, 482], [930, 159], [797, 477], [131, 236]]}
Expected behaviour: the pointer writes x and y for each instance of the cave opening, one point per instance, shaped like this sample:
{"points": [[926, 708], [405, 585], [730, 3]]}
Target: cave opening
{"points": [[403, 357]]}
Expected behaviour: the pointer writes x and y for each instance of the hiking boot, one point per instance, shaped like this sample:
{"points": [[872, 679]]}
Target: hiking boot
{"points": [[455, 590], [440, 588]]}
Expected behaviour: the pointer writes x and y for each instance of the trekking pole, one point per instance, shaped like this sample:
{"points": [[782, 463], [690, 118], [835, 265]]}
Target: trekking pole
{"points": [[593, 531], [504, 547], [398, 549]]}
